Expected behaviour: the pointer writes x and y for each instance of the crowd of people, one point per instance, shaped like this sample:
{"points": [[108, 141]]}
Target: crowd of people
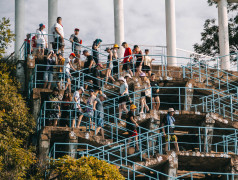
{"points": [[134, 64]]}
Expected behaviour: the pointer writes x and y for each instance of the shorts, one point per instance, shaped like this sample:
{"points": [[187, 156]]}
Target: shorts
{"points": [[48, 76], [42, 46], [146, 68], [54, 115], [76, 50], [138, 64], [67, 76], [123, 99], [58, 43], [126, 66], [90, 114], [110, 65], [100, 122], [142, 94], [77, 113], [154, 95], [172, 138], [134, 133]]}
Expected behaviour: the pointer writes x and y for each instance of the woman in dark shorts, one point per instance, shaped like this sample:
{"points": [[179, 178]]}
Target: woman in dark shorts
{"points": [[155, 92], [139, 59]]}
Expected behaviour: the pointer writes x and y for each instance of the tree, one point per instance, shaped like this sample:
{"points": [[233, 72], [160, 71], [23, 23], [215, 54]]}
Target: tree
{"points": [[85, 168], [210, 36], [6, 35], [16, 126]]}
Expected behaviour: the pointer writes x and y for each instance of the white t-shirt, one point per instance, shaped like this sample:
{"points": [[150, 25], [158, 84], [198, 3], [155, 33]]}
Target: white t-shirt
{"points": [[123, 87], [60, 29], [77, 96], [67, 65], [40, 36], [147, 61]]}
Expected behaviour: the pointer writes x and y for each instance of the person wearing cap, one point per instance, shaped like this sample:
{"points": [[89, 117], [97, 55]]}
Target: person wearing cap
{"points": [[48, 74], [139, 59], [88, 64], [146, 66], [95, 46], [59, 36], [131, 125], [124, 96], [127, 59], [145, 92], [109, 65], [76, 43], [115, 58], [68, 65], [155, 92], [167, 125], [54, 108], [89, 104], [40, 37], [78, 111], [97, 76], [99, 113]]}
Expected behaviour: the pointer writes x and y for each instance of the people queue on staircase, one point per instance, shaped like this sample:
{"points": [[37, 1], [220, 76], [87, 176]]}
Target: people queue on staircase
{"points": [[135, 67]]}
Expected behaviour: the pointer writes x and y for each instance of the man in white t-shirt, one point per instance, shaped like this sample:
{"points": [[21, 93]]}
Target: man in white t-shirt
{"points": [[68, 65], [78, 110], [40, 39], [59, 35]]}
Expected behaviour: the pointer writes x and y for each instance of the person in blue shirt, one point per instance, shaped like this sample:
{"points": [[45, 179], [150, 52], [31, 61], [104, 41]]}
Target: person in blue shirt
{"points": [[168, 131]]}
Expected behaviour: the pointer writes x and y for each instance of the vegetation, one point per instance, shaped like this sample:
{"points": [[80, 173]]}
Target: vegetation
{"points": [[6, 35], [85, 168], [210, 36]]}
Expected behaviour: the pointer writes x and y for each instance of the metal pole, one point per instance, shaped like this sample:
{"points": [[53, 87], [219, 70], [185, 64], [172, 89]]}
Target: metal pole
{"points": [[52, 16]]}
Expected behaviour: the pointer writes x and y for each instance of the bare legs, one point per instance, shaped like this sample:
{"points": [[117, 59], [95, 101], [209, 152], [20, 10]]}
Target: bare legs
{"points": [[175, 145], [102, 131], [122, 107], [156, 103], [143, 105], [108, 75]]}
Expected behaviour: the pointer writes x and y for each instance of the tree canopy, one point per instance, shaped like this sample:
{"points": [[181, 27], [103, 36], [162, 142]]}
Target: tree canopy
{"points": [[210, 35]]}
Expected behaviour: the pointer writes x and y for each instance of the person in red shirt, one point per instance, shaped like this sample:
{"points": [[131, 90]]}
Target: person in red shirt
{"points": [[127, 59], [33, 43]]}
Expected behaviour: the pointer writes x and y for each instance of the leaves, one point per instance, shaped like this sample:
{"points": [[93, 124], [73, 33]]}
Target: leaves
{"points": [[6, 35], [85, 168]]}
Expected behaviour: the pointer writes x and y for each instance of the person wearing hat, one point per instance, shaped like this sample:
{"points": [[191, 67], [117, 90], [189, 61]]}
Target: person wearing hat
{"points": [[131, 125], [146, 66], [40, 38], [48, 74], [109, 65], [76, 42], [99, 113], [168, 129], [155, 92], [116, 64], [95, 46], [88, 64], [54, 108], [127, 58], [78, 111], [145, 92], [68, 65], [123, 99], [139, 59]]}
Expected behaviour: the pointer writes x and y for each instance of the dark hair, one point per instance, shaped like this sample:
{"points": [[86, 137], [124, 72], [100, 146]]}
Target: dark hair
{"points": [[124, 43], [56, 89], [136, 46], [147, 50], [84, 51], [59, 18]]}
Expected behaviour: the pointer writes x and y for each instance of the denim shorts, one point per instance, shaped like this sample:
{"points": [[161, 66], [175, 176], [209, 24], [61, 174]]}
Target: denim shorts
{"points": [[100, 122], [48, 76], [42, 46]]}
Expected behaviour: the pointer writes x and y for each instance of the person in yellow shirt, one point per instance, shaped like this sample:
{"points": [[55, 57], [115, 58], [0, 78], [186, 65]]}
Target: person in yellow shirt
{"points": [[60, 71]]}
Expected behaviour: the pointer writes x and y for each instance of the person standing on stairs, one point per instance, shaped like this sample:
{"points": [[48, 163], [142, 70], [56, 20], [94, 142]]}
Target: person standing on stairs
{"points": [[96, 45], [54, 113], [97, 76], [48, 74], [139, 60], [127, 59], [99, 113], [78, 111], [76, 43], [155, 92], [60, 72], [66, 109], [90, 101], [145, 92], [109, 65], [131, 125], [68, 65], [123, 99], [146, 66], [41, 42], [168, 130], [88, 64], [59, 36]]}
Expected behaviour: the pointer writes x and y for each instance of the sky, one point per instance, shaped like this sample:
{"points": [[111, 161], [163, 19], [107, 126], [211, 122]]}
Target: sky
{"points": [[144, 19]]}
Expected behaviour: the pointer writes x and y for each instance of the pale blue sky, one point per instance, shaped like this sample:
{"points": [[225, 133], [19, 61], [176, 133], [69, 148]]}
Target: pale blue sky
{"points": [[144, 19]]}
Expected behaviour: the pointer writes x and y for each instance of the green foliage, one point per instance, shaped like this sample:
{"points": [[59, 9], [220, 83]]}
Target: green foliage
{"points": [[210, 34], [16, 125], [6, 35], [85, 168]]}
